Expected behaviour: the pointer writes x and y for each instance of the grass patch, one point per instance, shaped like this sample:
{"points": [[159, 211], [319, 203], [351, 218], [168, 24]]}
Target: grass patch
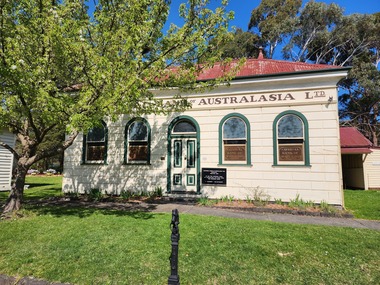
{"points": [[363, 204], [39, 187], [92, 246]]}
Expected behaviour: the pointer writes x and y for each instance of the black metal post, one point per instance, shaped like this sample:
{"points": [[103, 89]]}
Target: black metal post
{"points": [[174, 277]]}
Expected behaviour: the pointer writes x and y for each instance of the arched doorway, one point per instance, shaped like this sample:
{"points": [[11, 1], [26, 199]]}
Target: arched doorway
{"points": [[183, 156]]}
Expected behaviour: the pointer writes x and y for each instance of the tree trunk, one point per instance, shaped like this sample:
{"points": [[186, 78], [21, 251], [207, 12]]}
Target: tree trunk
{"points": [[15, 197]]}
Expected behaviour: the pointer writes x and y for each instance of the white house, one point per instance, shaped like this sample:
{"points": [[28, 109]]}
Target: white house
{"points": [[6, 160], [273, 131]]}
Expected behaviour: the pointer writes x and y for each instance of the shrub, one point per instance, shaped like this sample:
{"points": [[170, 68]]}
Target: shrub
{"points": [[95, 194], [125, 194]]}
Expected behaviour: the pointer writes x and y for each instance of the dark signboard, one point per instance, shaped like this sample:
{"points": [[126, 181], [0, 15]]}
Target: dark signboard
{"points": [[234, 152], [290, 152], [214, 176]]}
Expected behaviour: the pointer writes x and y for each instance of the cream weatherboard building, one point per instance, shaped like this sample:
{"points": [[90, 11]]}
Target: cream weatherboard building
{"points": [[273, 131]]}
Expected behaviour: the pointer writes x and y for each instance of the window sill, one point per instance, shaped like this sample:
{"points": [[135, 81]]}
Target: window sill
{"points": [[137, 163], [94, 163], [292, 165], [233, 164]]}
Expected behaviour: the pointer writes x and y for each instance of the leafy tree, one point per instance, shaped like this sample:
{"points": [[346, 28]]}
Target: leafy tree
{"points": [[312, 39], [273, 21], [242, 44], [63, 68], [360, 103], [320, 33]]}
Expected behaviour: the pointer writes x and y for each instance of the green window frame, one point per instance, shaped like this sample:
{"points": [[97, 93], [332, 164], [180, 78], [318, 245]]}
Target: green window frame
{"points": [[137, 140], [291, 140], [234, 142], [95, 145]]}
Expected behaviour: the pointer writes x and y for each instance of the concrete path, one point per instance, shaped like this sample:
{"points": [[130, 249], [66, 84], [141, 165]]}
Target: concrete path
{"points": [[282, 218]]}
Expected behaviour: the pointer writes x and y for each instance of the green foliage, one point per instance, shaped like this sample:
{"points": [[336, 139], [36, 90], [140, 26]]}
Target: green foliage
{"points": [[321, 33], [325, 207], [257, 196], [95, 194], [278, 201], [241, 44], [227, 199], [312, 37], [126, 194], [273, 20], [205, 201], [361, 100], [158, 191], [61, 67], [300, 203]]}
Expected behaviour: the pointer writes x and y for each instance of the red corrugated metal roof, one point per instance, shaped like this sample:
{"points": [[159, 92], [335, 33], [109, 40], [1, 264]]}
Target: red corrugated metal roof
{"points": [[355, 150], [261, 66], [353, 141]]}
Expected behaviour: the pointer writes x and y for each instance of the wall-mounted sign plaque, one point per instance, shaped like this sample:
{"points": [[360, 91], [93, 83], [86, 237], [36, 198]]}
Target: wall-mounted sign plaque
{"points": [[290, 152], [214, 176], [234, 153]]}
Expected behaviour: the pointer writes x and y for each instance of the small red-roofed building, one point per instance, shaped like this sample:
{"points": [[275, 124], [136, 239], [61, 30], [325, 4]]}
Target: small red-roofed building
{"points": [[272, 131], [360, 160]]}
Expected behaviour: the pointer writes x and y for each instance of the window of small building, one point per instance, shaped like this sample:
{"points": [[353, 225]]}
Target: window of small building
{"points": [[291, 145], [234, 140], [95, 145], [137, 142]]}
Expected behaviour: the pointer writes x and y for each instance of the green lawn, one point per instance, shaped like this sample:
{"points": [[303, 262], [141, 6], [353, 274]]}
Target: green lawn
{"points": [[363, 204], [89, 246], [40, 187]]}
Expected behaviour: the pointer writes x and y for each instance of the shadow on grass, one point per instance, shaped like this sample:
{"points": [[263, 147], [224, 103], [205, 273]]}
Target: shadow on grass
{"points": [[83, 210], [33, 185], [31, 194]]}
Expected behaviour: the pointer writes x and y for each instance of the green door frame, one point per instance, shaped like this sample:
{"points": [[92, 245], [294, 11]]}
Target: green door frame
{"points": [[169, 149]]}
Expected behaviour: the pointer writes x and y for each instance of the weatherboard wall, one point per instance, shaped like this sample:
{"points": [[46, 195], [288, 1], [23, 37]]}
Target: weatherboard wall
{"points": [[319, 181], [371, 166], [6, 160]]}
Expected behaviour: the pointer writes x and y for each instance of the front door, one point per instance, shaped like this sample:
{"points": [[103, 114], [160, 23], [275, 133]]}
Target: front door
{"points": [[184, 164]]}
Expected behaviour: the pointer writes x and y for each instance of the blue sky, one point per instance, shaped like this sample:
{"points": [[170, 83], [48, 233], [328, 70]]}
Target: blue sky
{"points": [[243, 8]]}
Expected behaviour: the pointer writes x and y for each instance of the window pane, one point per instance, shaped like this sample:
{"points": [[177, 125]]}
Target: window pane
{"points": [[290, 126], [138, 131], [184, 127], [96, 135], [234, 128], [177, 153]]}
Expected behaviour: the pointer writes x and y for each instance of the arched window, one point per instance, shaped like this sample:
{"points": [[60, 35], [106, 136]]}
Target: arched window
{"points": [[234, 140], [95, 145], [137, 142], [291, 142], [184, 126]]}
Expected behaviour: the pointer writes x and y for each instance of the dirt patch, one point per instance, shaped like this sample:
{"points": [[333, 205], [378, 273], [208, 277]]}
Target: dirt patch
{"points": [[281, 209], [148, 204]]}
